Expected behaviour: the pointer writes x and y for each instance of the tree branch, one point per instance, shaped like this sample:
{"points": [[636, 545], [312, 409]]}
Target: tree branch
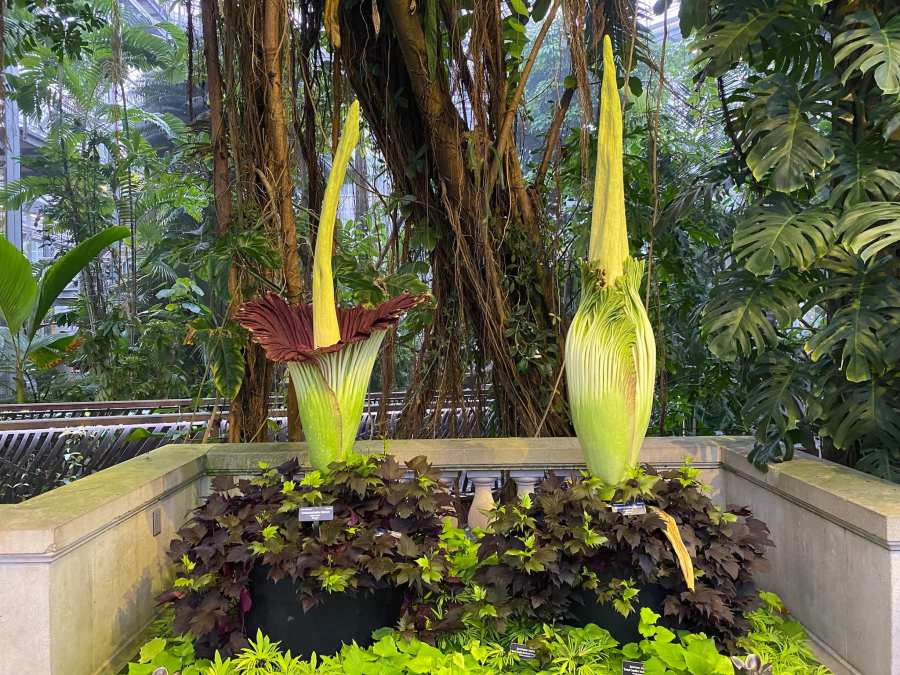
{"points": [[553, 137], [505, 134]]}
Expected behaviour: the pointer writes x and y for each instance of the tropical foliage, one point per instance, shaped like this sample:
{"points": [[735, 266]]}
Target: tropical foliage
{"points": [[27, 304], [811, 301]]}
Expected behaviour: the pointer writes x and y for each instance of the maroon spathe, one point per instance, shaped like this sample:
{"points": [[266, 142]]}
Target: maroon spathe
{"points": [[286, 332]]}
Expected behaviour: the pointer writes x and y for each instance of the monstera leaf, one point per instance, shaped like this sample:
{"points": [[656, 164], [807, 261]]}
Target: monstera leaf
{"points": [[692, 14], [780, 232], [870, 227], [864, 329], [777, 403], [862, 171], [867, 45], [744, 309], [725, 43], [867, 413], [786, 148]]}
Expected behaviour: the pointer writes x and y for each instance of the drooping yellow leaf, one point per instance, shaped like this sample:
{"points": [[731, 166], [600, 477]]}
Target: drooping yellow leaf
{"points": [[681, 553], [325, 324], [609, 237]]}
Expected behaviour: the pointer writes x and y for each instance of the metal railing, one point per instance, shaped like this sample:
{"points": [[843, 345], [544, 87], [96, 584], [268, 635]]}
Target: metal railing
{"points": [[45, 445]]}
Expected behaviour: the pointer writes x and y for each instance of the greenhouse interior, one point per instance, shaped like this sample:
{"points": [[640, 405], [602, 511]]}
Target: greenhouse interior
{"points": [[388, 337]]}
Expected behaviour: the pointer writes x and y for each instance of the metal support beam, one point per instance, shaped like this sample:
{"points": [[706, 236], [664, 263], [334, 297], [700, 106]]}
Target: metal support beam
{"points": [[12, 167]]}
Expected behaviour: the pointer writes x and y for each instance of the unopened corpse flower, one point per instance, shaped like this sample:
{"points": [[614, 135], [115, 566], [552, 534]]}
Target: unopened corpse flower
{"points": [[610, 350], [329, 351]]}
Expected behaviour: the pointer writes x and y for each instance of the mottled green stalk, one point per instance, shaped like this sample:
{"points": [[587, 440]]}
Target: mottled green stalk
{"points": [[331, 392], [610, 350]]}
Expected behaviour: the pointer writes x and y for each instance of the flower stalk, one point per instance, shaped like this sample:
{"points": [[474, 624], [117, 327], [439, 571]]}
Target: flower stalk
{"points": [[329, 350], [610, 349]]}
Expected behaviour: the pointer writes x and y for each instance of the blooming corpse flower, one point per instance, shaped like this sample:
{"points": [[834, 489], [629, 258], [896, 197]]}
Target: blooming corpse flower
{"points": [[610, 350], [329, 351]]}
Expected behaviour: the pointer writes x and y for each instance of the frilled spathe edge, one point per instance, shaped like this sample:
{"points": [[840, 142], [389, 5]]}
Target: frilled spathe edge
{"points": [[286, 332]]}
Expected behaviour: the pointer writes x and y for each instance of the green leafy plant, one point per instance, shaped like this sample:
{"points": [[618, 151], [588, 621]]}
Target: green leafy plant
{"points": [[779, 640], [556, 649], [809, 303], [536, 554], [25, 302], [384, 533]]}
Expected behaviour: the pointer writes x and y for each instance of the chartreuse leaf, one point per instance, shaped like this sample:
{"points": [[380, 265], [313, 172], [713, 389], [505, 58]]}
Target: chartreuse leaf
{"points": [[610, 351], [152, 649], [18, 288], [325, 324], [58, 275]]}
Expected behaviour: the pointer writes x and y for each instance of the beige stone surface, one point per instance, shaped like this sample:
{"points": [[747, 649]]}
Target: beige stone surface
{"points": [[832, 565], [80, 566], [24, 619], [471, 453]]}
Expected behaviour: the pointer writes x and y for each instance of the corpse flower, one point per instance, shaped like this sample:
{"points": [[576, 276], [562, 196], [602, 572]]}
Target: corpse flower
{"points": [[329, 351], [610, 350]]}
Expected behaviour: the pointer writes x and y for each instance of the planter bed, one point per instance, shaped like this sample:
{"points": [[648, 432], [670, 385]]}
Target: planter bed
{"points": [[376, 548], [82, 565]]}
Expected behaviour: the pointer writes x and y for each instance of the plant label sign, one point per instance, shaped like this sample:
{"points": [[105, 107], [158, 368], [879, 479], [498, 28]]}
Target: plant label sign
{"points": [[632, 668], [635, 508], [315, 514], [522, 651]]}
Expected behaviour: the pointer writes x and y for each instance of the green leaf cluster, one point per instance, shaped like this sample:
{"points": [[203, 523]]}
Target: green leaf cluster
{"points": [[558, 649], [809, 303], [384, 534]]}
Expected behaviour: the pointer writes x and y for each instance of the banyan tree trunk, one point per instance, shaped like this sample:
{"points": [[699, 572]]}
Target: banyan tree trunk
{"points": [[493, 274]]}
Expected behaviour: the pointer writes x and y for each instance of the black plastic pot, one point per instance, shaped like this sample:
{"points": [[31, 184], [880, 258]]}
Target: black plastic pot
{"points": [[339, 619], [587, 609]]}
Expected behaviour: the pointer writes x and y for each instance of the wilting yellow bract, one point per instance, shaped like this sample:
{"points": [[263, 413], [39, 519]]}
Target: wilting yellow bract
{"points": [[681, 553], [610, 350], [325, 323]]}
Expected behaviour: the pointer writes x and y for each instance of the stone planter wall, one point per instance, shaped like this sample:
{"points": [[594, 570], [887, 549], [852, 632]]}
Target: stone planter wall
{"points": [[80, 566]]}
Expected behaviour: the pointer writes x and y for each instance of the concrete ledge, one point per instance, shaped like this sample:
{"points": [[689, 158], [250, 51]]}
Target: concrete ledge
{"points": [[470, 454], [836, 563], [861, 503], [81, 565]]}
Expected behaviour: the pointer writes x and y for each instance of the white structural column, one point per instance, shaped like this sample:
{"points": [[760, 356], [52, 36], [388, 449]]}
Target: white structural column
{"points": [[526, 481], [13, 168], [483, 501]]}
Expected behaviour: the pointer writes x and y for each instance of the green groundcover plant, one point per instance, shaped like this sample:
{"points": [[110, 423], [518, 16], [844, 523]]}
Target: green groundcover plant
{"points": [[560, 650], [540, 556]]}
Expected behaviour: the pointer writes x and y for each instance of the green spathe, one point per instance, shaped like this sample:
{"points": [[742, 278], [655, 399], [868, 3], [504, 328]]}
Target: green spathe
{"points": [[331, 391], [610, 367], [610, 350]]}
